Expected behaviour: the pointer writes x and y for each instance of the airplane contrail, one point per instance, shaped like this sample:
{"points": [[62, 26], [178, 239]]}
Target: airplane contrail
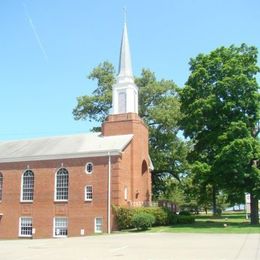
{"points": [[35, 33]]}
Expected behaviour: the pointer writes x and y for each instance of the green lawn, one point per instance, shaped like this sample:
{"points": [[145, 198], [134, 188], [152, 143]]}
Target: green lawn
{"points": [[235, 223]]}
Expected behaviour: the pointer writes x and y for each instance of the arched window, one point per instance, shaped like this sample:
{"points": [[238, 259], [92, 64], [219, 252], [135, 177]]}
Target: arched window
{"points": [[1, 186], [62, 184], [144, 167], [27, 186]]}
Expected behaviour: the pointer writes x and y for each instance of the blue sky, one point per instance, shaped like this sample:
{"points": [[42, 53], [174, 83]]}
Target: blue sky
{"points": [[47, 49]]}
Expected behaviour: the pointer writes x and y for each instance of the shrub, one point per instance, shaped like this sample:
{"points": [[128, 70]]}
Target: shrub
{"points": [[184, 213], [143, 221], [173, 219], [181, 218], [124, 217], [162, 216], [185, 219]]}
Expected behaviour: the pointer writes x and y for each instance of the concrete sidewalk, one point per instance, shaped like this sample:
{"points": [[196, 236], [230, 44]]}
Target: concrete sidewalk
{"points": [[136, 246]]}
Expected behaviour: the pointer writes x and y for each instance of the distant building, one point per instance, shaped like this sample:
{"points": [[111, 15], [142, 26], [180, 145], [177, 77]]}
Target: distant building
{"points": [[65, 186]]}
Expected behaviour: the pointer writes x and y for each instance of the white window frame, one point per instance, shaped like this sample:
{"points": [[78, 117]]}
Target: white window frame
{"points": [[86, 193], [20, 227], [54, 226], [21, 194], [96, 230], [1, 186], [86, 166], [55, 187]]}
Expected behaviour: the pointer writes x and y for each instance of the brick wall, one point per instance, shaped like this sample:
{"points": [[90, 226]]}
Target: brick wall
{"points": [[129, 170], [135, 160], [43, 209]]}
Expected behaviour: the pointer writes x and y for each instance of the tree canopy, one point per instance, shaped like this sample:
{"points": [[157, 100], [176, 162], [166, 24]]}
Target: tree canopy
{"points": [[220, 106]]}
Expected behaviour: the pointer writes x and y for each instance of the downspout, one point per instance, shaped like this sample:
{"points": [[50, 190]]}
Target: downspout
{"points": [[109, 195]]}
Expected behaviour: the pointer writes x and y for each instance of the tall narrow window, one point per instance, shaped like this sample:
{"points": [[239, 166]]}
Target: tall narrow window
{"points": [[27, 186], [1, 186], [60, 227], [122, 102], [125, 193], [25, 229], [62, 185]]}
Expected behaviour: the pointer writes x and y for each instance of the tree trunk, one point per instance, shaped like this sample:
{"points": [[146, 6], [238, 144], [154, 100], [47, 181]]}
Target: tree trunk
{"points": [[254, 210], [214, 201]]}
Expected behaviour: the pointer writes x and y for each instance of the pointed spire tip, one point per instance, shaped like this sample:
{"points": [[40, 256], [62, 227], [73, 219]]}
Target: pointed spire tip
{"points": [[125, 65], [125, 14]]}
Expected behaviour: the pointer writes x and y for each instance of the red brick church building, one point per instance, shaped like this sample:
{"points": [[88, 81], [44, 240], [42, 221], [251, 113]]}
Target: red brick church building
{"points": [[66, 185]]}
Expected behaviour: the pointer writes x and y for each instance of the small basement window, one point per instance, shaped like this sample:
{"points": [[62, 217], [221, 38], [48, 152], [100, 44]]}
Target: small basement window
{"points": [[25, 227], [98, 225], [60, 227]]}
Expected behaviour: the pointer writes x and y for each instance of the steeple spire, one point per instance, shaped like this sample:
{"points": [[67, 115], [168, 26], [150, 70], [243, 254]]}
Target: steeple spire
{"points": [[125, 64], [125, 92]]}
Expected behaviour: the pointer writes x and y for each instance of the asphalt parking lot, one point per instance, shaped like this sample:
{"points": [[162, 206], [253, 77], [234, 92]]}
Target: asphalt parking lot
{"points": [[136, 246]]}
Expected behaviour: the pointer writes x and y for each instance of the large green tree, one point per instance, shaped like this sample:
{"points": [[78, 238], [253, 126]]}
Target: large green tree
{"points": [[159, 107], [237, 165], [221, 96]]}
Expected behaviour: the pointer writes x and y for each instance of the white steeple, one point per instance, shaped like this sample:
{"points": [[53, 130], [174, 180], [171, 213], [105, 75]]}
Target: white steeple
{"points": [[125, 64], [125, 92]]}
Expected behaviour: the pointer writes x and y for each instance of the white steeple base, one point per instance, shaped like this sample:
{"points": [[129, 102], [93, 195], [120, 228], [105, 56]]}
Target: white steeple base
{"points": [[125, 98]]}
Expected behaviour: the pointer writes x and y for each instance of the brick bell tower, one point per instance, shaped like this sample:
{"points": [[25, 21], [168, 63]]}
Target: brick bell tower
{"points": [[124, 119]]}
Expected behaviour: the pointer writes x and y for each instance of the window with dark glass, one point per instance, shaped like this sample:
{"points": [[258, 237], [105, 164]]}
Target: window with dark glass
{"points": [[89, 168]]}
